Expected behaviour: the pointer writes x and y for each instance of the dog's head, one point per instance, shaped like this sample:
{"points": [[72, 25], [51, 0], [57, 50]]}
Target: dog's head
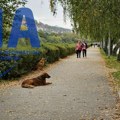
{"points": [[44, 75]]}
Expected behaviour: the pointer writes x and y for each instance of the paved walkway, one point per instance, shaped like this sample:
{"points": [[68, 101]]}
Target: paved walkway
{"points": [[80, 91]]}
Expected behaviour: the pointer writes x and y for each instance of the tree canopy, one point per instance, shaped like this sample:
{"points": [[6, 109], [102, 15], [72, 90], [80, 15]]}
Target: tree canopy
{"points": [[93, 19]]}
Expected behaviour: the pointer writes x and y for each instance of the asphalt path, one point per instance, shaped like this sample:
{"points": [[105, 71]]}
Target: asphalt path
{"points": [[79, 91]]}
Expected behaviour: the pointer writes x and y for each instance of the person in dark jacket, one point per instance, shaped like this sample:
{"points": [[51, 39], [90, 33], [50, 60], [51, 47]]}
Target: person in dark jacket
{"points": [[84, 49]]}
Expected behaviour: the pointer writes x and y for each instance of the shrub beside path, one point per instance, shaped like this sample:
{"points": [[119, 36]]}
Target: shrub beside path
{"points": [[80, 91]]}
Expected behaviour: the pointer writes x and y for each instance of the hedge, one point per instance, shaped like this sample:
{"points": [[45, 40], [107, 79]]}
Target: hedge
{"points": [[16, 68]]}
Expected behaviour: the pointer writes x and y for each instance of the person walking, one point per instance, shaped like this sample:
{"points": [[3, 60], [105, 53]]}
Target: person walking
{"points": [[84, 49], [78, 49]]}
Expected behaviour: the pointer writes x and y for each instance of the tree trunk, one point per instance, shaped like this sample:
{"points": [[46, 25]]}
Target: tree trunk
{"points": [[101, 44], [118, 57], [116, 48], [109, 46], [105, 47]]}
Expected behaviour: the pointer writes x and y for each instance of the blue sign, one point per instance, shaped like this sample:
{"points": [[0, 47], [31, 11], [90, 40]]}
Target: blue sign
{"points": [[31, 33], [17, 33]]}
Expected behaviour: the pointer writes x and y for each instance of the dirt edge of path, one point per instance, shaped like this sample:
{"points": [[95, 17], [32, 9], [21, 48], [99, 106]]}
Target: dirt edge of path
{"points": [[114, 88]]}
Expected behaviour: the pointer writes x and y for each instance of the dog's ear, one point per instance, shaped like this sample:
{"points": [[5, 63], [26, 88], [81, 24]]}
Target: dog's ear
{"points": [[39, 77], [46, 75]]}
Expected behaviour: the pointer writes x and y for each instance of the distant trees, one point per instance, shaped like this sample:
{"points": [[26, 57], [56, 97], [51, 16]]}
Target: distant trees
{"points": [[58, 37], [94, 19]]}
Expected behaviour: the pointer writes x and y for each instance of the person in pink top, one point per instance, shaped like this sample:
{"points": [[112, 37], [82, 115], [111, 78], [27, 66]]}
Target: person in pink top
{"points": [[78, 49]]}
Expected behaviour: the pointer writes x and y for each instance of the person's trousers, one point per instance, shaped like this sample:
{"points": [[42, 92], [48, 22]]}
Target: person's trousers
{"points": [[78, 52], [84, 53]]}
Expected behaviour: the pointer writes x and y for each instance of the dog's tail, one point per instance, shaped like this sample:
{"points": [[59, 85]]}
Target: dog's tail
{"points": [[27, 86]]}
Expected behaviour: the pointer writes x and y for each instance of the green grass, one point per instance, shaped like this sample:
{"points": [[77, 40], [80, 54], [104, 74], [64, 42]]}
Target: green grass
{"points": [[113, 64], [116, 75]]}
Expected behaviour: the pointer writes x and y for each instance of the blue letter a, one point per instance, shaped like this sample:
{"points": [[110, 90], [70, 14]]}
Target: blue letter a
{"points": [[0, 27], [17, 33]]}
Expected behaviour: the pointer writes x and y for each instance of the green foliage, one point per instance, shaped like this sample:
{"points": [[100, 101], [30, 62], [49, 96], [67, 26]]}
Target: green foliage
{"points": [[63, 50], [69, 37], [54, 39], [53, 45], [24, 65], [58, 38], [92, 19], [116, 75], [52, 53], [9, 7], [113, 64]]}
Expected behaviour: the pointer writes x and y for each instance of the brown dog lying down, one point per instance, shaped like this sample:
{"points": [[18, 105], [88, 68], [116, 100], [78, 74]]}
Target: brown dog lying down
{"points": [[38, 81]]}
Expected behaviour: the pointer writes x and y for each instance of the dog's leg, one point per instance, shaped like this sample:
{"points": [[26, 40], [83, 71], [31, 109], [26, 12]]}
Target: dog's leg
{"points": [[27, 86], [48, 83]]}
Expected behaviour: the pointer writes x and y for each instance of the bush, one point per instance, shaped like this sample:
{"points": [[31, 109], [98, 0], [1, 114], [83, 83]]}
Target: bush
{"points": [[63, 50], [52, 53], [71, 49], [16, 68]]}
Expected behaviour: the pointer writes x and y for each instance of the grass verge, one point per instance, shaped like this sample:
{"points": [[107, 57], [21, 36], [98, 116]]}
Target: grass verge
{"points": [[112, 63]]}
